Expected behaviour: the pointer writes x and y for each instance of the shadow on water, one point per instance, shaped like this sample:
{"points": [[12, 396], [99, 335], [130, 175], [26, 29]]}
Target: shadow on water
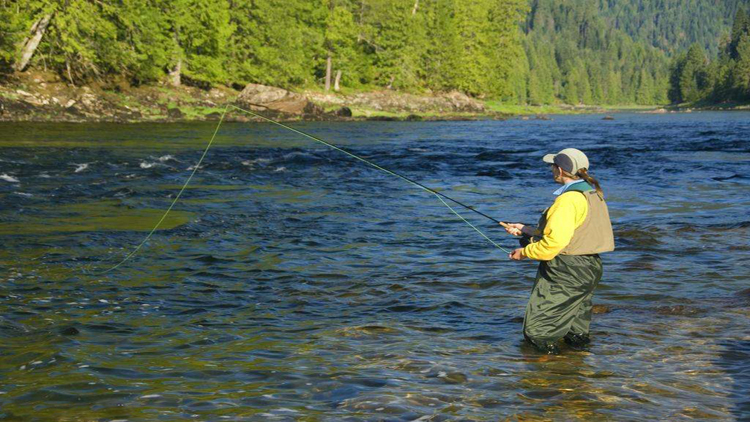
{"points": [[734, 359]]}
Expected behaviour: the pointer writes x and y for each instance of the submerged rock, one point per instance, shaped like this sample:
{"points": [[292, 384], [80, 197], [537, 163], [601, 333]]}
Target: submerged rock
{"points": [[69, 331], [601, 309]]}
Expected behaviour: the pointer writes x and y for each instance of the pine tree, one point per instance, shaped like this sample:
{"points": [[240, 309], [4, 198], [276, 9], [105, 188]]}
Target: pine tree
{"points": [[10, 35], [570, 87], [140, 27], [676, 68], [741, 26], [442, 54], [536, 90], [508, 63], [200, 32], [395, 59], [742, 69], [645, 93], [585, 94], [277, 42], [339, 41], [614, 87], [83, 41], [692, 78]]}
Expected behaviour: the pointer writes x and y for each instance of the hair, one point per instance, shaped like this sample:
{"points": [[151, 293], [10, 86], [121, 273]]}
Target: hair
{"points": [[584, 174]]}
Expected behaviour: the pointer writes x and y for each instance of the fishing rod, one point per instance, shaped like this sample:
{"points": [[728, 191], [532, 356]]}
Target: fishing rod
{"points": [[315, 138], [437, 194]]}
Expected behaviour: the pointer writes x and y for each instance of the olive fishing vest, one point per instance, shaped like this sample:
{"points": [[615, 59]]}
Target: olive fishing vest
{"points": [[595, 234]]}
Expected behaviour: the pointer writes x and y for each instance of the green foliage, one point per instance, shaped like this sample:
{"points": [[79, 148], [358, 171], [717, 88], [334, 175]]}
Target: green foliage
{"points": [[739, 28], [340, 37], [727, 78], [83, 40], [523, 51], [692, 78], [577, 56], [742, 69], [11, 29], [200, 31], [673, 25], [275, 43]]}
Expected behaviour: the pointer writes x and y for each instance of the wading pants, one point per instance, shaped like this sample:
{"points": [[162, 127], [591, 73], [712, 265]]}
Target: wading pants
{"points": [[560, 302]]}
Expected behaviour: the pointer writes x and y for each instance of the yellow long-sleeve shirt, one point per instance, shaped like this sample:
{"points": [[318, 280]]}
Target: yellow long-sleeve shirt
{"points": [[565, 215]]}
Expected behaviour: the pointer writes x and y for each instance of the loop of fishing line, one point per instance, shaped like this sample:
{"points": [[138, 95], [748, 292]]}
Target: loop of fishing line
{"points": [[437, 194]]}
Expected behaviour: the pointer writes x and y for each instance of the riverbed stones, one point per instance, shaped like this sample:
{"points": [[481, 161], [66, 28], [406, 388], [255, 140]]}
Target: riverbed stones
{"points": [[393, 101]]}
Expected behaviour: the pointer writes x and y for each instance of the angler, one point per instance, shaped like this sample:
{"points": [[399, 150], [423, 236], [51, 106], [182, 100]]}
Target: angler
{"points": [[567, 242]]}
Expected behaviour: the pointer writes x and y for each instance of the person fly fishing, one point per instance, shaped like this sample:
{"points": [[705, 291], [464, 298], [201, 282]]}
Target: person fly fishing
{"points": [[567, 242], [571, 234]]}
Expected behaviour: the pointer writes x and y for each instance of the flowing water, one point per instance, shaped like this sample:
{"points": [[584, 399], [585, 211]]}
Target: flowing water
{"points": [[293, 283]]}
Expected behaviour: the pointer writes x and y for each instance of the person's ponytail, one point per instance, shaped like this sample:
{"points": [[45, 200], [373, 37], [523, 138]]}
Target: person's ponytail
{"points": [[584, 174]]}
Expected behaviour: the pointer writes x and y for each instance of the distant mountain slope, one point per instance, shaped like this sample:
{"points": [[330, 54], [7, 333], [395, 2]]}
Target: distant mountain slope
{"points": [[616, 51], [673, 25], [578, 57]]}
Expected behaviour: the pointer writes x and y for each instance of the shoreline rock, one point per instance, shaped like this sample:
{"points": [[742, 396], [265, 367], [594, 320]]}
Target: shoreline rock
{"points": [[43, 97]]}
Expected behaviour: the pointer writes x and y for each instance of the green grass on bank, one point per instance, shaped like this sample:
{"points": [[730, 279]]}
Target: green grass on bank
{"points": [[516, 109], [708, 105]]}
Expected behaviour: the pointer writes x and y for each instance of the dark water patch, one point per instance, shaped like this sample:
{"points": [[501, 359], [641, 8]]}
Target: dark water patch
{"points": [[735, 359], [123, 373], [732, 177], [496, 173]]}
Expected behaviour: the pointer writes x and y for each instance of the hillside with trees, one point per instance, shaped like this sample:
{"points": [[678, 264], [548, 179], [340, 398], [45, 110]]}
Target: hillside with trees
{"points": [[410, 45], [673, 25], [516, 51], [694, 78], [576, 56]]}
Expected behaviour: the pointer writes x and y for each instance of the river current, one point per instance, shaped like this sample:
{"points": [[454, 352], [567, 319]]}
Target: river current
{"points": [[291, 282]]}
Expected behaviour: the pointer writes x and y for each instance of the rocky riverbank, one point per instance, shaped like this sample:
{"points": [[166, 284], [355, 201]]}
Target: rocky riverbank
{"points": [[43, 97]]}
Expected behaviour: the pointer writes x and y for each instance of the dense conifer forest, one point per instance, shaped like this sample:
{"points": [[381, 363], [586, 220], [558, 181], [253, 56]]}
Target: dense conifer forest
{"points": [[517, 51], [694, 78]]}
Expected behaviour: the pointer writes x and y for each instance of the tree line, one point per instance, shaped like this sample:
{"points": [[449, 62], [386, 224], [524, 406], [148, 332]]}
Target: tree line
{"points": [[518, 51], [577, 56], [673, 25], [693, 78], [467, 45]]}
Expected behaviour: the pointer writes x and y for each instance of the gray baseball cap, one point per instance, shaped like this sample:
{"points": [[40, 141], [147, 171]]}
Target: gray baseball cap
{"points": [[570, 159]]}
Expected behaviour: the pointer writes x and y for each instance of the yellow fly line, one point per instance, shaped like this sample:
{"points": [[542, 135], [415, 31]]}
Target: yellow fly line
{"points": [[437, 194]]}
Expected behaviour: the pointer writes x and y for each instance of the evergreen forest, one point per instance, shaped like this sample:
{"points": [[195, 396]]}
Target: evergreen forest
{"points": [[725, 78], [517, 51]]}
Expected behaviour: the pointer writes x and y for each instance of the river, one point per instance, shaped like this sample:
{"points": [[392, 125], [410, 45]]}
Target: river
{"points": [[291, 282]]}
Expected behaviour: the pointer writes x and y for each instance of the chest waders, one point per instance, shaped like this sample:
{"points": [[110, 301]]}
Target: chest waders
{"points": [[560, 303]]}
